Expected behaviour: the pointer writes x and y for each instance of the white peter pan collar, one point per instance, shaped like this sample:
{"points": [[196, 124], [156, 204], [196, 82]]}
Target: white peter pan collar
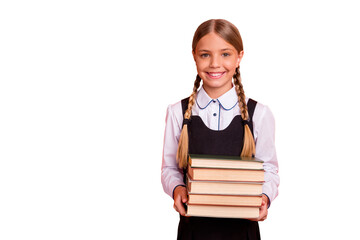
{"points": [[227, 101]]}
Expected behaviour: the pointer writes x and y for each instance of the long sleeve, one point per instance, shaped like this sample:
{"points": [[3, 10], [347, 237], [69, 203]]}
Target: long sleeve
{"points": [[217, 114], [264, 133], [171, 175]]}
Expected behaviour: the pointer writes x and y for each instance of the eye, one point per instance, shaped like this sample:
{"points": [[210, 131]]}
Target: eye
{"points": [[226, 54], [204, 55]]}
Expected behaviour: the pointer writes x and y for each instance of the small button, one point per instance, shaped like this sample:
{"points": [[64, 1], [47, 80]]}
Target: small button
{"points": [[214, 101], [214, 114]]}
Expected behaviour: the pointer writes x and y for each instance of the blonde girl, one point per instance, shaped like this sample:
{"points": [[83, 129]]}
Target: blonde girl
{"points": [[218, 119]]}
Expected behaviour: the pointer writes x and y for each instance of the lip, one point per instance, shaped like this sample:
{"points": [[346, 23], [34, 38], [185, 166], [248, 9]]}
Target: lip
{"points": [[215, 75]]}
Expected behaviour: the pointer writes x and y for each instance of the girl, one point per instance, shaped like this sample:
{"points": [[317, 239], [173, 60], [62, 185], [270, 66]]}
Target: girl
{"points": [[218, 119]]}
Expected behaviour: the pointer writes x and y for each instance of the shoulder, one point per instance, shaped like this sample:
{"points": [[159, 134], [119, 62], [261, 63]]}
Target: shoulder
{"points": [[174, 113], [263, 117], [262, 110]]}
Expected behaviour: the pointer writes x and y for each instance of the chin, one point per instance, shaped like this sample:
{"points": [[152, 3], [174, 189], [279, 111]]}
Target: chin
{"points": [[217, 83]]}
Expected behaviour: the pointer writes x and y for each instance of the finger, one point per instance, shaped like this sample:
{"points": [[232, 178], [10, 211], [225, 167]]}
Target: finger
{"points": [[179, 206], [184, 199], [180, 209], [263, 214]]}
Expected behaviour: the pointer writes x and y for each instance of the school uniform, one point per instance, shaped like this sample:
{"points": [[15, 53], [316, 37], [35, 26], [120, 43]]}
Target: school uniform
{"points": [[216, 127]]}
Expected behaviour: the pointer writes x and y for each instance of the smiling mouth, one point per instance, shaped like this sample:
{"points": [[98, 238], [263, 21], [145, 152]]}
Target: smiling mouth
{"points": [[215, 75]]}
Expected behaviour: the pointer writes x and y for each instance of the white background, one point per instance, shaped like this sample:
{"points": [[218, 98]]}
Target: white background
{"points": [[83, 97]]}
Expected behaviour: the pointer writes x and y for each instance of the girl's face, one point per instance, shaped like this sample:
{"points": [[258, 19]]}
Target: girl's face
{"points": [[216, 61]]}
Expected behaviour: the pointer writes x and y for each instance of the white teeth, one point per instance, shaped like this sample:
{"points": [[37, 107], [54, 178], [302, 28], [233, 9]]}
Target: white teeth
{"points": [[215, 74]]}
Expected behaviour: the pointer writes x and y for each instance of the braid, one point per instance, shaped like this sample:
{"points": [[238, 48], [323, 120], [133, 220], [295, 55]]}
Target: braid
{"points": [[183, 147], [241, 94], [192, 97], [248, 148]]}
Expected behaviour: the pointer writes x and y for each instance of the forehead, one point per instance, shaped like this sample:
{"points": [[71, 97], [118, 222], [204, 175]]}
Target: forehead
{"points": [[213, 42]]}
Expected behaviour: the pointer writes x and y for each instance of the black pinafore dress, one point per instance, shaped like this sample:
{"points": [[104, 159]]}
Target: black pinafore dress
{"points": [[227, 142]]}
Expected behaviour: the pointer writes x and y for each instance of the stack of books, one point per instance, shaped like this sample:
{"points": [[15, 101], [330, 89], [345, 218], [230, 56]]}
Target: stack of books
{"points": [[224, 186]]}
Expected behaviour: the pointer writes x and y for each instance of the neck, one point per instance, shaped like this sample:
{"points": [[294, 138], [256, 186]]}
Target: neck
{"points": [[215, 93]]}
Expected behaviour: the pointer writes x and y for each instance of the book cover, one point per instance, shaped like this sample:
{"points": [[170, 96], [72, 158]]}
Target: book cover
{"points": [[222, 211], [225, 200], [217, 161], [224, 188], [214, 174]]}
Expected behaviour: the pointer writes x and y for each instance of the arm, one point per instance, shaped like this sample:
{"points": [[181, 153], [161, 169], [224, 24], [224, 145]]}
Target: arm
{"points": [[265, 150], [171, 175], [264, 133]]}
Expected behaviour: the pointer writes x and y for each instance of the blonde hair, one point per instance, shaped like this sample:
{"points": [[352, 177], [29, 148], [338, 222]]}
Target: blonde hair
{"points": [[229, 33]]}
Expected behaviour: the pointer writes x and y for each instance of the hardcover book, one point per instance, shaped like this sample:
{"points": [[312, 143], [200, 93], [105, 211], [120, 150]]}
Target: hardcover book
{"points": [[215, 161]]}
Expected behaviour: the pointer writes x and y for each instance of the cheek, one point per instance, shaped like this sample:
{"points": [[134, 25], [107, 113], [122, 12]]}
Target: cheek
{"points": [[230, 66], [201, 65]]}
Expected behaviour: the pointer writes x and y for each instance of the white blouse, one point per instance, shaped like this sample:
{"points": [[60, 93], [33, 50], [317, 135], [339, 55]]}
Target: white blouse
{"points": [[217, 114]]}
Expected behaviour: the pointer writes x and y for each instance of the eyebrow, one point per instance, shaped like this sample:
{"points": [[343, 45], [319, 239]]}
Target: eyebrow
{"points": [[227, 49], [222, 50]]}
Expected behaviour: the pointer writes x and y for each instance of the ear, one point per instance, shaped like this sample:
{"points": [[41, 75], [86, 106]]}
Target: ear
{"points": [[240, 56], [193, 53]]}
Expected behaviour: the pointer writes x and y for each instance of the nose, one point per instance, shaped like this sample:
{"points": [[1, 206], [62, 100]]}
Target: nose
{"points": [[215, 62]]}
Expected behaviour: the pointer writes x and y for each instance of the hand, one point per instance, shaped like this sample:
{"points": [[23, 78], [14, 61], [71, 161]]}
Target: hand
{"points": [[263, 209], [180, 197]]}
